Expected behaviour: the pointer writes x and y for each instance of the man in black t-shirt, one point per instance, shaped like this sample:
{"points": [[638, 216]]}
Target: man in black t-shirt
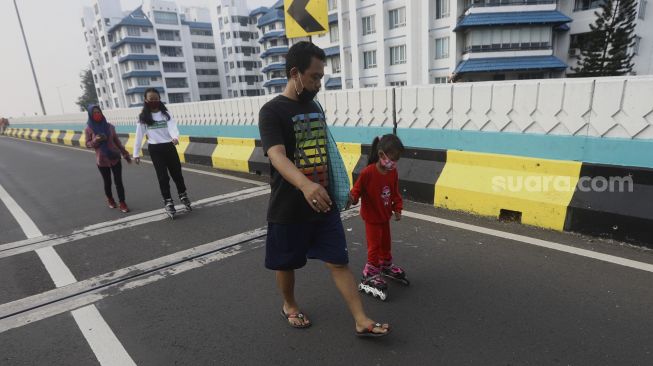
{"points": [[301, 221]]}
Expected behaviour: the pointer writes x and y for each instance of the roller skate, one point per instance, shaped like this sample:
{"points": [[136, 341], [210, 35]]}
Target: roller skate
{"points": [[394, 272], [372, 283], [170, 208], [185, 201]]}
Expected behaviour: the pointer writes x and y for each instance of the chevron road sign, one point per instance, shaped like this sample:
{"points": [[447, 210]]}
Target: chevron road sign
{"points": [[306, 17]]}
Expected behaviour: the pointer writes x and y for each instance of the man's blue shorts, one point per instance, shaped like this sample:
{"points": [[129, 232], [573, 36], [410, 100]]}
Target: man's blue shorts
{"points": [[289, 245]]}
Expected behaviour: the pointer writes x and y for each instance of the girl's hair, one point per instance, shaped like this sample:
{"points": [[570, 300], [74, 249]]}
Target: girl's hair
{"points": [[389, 144], [146, 113]]}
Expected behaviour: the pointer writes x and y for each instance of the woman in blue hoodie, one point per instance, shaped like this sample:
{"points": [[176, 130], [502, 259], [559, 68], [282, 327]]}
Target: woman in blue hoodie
{"points": [[101, 136]]}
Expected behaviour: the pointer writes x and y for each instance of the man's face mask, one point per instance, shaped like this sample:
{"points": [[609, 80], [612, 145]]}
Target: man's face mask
{"points": [[306, 95]]}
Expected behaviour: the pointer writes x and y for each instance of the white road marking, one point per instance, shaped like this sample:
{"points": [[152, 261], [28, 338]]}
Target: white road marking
{"points": [[40, 306], [191, 170], [89, 320], [15, 248], [534, 241]]}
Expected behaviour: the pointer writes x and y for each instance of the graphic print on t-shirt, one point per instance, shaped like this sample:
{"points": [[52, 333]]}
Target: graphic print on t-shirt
{"points": [[158, 124], [385, 195], [310, 147]]}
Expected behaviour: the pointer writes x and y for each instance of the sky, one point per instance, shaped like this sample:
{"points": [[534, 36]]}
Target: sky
{"points": [[56, 42]]}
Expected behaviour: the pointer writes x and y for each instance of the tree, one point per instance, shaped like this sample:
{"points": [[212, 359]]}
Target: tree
{"points": [[88, 86], [606, 52]]}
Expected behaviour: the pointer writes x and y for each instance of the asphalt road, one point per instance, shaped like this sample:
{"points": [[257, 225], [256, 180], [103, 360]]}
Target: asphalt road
{"points": [[194, 291]]}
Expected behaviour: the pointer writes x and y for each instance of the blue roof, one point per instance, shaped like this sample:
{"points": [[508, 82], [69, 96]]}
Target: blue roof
{"points": [[274, 67], [272, 35], [141, 74], [198, 25], [135, 18], [274, 15], [133, 40], [510, 64], [332, 51], [138, 57], [275, 51], [259, 10], [512, 18], [142, 89], [275, 82], [334, 83], [333, 18]]}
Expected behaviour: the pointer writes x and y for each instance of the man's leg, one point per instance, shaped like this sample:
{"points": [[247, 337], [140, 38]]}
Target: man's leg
{"points": [[286, 284], [346, 284]]}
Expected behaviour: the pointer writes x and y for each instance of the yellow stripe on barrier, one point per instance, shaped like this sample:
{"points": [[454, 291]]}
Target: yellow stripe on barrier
{"points": [[35, 134], [486, 184], [68, 137], [129, 145], [233, 154], [82, 140], [44, 136], [350, 153], [184, 141], [9, 131], [55, 136]]}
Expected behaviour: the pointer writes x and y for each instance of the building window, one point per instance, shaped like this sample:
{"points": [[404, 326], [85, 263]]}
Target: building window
{"points": [[143, 81], [115, 102], [133, 31], [398, 83], [368, 25], [526, 38], [176, 83], [113, 87], [140, 65], [636, 45], [397, 18], [333, 33], [333, 5], [398, 55], [165, 17], [441, 9], [136, 48], [369, 59], [442, 48], [440, 80], [581, 5], [642, 9], [335, 64], [106, 57]]}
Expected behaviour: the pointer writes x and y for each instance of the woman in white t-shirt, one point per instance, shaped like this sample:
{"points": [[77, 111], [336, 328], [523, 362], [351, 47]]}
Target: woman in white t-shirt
{"points": [[162, 135]]}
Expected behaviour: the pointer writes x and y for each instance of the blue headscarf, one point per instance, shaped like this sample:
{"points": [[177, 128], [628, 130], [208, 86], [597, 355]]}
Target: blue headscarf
{"points": [[101, 127]]}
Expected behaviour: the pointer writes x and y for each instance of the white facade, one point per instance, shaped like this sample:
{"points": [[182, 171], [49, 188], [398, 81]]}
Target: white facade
{"points": [[236, 34], [156, 45]]}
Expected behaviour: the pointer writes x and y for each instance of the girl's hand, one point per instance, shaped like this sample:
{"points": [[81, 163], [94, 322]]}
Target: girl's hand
{"points": [[129, 159], [137, 160], [397, 216]]}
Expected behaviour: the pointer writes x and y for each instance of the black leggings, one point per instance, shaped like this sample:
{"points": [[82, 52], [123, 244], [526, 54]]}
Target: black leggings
{"points": [[165, 159], [117, 177]]}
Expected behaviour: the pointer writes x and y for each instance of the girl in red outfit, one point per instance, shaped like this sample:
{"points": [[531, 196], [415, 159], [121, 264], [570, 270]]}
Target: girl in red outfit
{"points": [[101, 136], [378, 188]]}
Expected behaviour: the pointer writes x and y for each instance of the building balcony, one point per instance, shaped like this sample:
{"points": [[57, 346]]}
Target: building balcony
{"points": [[138, 57], [275, 82], [477, 20], [515, 47], [510, 64], [275, 34], [280, 66], [141, 74], [142, 89], [274, 51]]}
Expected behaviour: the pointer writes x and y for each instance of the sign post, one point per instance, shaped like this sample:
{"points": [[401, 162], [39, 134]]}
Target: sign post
{"points": [[305, 18]]}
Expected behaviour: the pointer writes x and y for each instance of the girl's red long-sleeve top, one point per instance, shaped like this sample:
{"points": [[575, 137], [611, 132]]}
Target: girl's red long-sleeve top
{"points": [[379, 194]]}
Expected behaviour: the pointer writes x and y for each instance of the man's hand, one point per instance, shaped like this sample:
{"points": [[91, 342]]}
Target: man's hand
{"points": [[317, 197], [175, 141], [397, 216], [98, 138], [137, 160]]}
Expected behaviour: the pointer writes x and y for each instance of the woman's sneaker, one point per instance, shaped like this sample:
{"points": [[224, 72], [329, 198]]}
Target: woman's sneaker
{"points": [[111, 202], [123, 207]]}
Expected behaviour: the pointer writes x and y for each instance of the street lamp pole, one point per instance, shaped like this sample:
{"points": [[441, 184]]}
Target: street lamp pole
{"points": [[29, 56]]}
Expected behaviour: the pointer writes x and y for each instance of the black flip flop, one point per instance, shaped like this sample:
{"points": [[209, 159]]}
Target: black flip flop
{"points": [[369, 331], [299, 315]]}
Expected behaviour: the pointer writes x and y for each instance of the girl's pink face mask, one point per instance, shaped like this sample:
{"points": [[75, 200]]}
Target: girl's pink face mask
{"points": [[386, 162]]}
